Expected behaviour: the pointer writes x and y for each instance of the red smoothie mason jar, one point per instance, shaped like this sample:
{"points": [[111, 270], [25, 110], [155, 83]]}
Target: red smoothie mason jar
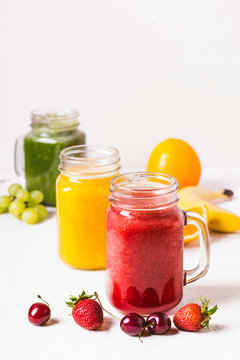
{"points": [[145, 241]]}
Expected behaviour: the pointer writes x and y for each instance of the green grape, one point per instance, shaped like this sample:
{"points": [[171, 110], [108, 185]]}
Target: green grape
{"points": [[36, 197], [30, 216], [22, 195], [5, 201], [42, 212], [3, 210], [16, 207], [13, 189]]}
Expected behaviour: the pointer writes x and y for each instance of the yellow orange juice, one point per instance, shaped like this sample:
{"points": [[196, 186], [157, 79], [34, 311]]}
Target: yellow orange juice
{"points": [[81, 213], [82, 202]]}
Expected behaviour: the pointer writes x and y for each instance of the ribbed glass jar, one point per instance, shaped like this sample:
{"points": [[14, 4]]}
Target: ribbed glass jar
{"points": [[53, 129], [145, 238]]}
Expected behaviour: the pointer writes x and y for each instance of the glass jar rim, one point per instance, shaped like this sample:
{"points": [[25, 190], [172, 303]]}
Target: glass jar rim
{"points": [[68, 153], [143, 191], [76, 160], [118, 183], [48, 115]]}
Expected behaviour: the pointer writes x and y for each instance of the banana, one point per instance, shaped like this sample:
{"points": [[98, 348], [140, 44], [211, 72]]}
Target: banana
{"points": [[218, 219]]}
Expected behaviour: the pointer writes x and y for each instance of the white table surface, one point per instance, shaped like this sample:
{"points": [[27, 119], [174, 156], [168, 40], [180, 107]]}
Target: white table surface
{"points": [[29, 265]]}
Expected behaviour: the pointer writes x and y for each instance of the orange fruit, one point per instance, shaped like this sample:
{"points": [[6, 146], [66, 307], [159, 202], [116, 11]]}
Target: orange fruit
{"points": [[177, 158], [191, 231]]}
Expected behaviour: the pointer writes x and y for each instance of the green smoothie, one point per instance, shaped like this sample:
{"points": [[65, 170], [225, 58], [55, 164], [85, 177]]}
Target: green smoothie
{"points": [[42, 159]]}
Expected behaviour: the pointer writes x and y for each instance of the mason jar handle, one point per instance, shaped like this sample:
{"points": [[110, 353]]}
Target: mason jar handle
{"points": [[201, 269], [19, 165]]}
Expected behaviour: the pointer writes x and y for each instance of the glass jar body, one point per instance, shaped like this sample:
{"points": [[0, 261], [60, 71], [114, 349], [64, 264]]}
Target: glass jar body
{"points": [[145, 258], [82, 202], [81, 213], [41, 157]]}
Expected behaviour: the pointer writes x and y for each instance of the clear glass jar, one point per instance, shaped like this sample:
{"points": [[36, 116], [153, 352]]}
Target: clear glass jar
{"points": [[145, 243], [53, 129], [82, 201]]}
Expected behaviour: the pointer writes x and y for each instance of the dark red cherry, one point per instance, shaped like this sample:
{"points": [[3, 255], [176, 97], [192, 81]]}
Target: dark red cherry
{"points": [[39, 313], [158, 323], [132, 324]]}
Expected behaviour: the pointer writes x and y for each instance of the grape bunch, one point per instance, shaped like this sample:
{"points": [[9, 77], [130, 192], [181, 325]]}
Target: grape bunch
{"points": [[23, 204]]}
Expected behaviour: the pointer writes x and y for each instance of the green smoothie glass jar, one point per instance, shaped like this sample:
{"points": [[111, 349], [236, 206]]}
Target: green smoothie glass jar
{"points": [[36, 155]]}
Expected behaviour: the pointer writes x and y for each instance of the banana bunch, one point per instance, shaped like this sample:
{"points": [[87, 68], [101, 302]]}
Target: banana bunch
{"points": [[198, 199]]}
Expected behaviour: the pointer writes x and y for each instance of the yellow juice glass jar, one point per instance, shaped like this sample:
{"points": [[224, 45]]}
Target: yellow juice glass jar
{"points": [[82, 202]]}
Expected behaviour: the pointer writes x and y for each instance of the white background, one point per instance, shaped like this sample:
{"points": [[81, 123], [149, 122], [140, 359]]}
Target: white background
{"points": [[138, 71]]}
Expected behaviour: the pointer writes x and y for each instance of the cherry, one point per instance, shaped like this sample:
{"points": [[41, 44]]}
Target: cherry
{"points": [[39, 313], [132, 324], [158, 323]]}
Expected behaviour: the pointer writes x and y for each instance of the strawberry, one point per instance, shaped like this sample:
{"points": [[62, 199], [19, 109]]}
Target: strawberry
{"points": [[86, 311], [193, 317]]}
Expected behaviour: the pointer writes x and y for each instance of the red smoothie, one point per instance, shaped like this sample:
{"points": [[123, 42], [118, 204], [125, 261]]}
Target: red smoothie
{"points": [[145, 258]]}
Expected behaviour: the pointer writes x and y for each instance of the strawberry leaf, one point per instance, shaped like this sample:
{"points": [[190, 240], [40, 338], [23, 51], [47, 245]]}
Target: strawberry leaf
{"points": [[207, 313], [75, 300], [70, 304], [213, 310]]}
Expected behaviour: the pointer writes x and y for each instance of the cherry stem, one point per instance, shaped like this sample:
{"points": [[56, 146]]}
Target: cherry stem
{"points": [[39, 297], [96, 295], [141, 332]]}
